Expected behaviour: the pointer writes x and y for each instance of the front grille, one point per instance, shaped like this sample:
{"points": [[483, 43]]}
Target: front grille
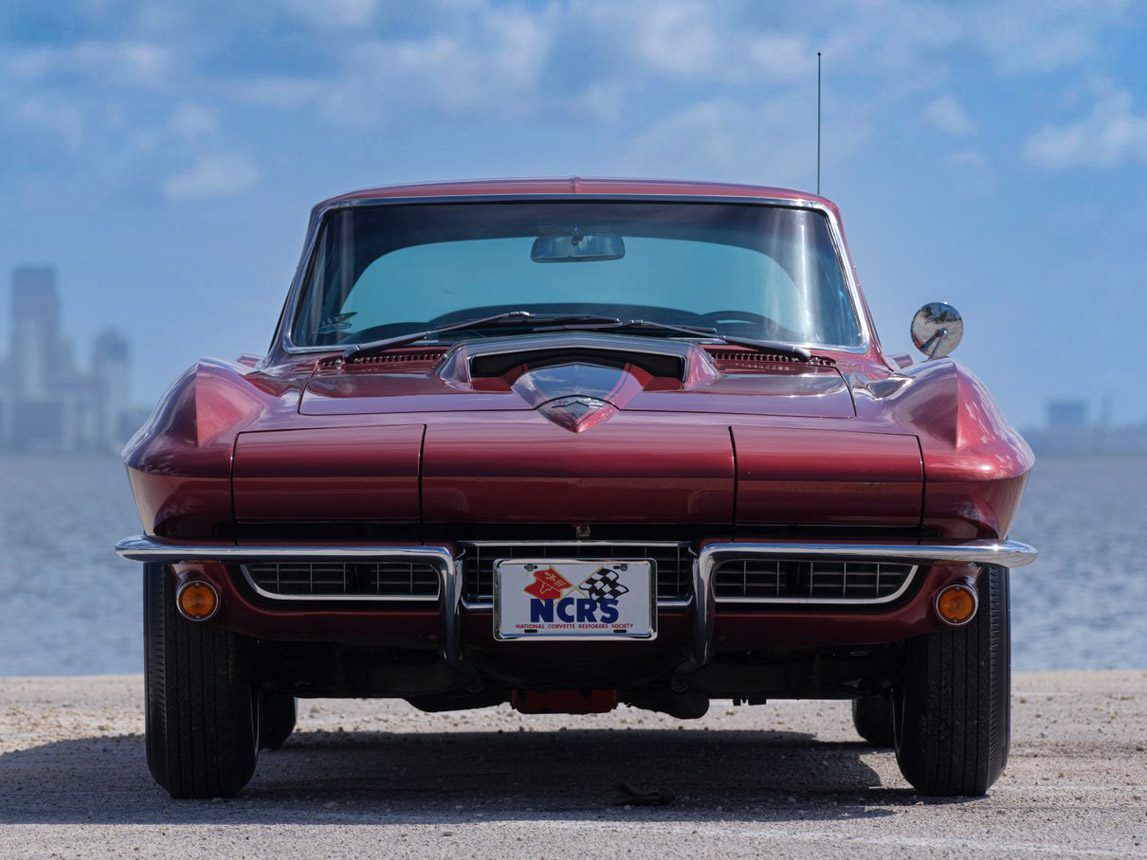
{"points": [[336, 580], [673, 561], [771, 580]]}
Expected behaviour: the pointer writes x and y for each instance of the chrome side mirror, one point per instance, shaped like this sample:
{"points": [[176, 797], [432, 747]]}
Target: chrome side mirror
{"points": [[937, 329]]}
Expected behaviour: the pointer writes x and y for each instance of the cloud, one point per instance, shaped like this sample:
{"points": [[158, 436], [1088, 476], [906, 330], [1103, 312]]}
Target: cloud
{"points": [[736, 140], [111, 63], [281, 91], [948, 115], [604, 100], [676, 40], [781, 56], [212, 176], [193, 122], [1043, 37], [482, 64], [58, 117], [694, 42], [967, 158], [335, 14], [1111, 136], [676, 75]]}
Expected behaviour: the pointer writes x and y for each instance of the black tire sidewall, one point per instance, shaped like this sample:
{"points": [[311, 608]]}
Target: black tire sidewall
{"points": [[952, 709], [200, 722]]}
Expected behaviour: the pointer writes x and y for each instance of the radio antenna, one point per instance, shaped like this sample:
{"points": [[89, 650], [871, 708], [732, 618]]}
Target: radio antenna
{"points": [[818, 122]]}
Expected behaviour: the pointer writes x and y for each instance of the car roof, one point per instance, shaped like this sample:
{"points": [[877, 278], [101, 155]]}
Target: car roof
{"points": [[576, 185]]}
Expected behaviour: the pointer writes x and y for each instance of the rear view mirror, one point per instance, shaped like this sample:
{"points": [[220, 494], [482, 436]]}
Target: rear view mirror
{"points": [[937, 329], [578, 248]]}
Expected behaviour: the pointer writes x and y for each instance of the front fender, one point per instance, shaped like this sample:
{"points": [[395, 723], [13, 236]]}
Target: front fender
{"points": [[975, 463], [179, 462]]}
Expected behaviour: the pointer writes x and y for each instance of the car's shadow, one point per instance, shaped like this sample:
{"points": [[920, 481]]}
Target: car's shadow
{"points": [[456, 777]]}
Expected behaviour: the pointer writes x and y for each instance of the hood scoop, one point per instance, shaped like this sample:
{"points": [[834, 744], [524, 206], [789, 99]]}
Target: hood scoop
{"points": [[501, 356], [578, 380]]}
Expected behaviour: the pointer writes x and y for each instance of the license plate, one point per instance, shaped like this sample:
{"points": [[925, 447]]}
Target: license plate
{"points": [[574, 599]]}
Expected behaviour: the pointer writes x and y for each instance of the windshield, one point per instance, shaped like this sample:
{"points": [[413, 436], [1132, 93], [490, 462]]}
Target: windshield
{"points": [[749, 270]]}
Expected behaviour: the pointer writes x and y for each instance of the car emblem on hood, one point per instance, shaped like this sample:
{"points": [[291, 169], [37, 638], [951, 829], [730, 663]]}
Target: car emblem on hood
{"points": [[577, 412], [578, 395]]}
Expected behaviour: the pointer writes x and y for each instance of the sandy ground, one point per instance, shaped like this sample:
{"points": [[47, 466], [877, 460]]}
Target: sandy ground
{"points": [[378, 778]]}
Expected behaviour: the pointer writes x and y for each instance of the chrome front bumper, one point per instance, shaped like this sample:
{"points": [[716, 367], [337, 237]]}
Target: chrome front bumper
{"points": [[1004, 553]]}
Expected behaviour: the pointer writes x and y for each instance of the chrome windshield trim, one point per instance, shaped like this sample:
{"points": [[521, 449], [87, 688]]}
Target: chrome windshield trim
{"points": [[288, 317]]}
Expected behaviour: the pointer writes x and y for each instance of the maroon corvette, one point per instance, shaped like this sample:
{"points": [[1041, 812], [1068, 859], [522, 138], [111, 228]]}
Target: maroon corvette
{"points": [[566, 444]]}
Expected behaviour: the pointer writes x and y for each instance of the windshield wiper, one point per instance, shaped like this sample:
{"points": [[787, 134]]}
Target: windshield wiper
{"points": [[592, 322], [506, 318], [777, 346]]}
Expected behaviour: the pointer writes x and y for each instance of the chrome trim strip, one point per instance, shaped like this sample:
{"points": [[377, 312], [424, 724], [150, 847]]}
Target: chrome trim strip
{"points": [[704, 615], [290, 309], [1006, 553], [339, 598], [145, 548], [821, 601], [577, 543]]}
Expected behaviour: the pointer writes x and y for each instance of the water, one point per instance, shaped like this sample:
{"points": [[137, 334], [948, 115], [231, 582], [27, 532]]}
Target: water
{"points": [[1081, 605], [69, 606]]}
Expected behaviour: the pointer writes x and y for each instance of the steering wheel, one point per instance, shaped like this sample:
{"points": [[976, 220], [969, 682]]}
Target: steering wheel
{"points": [[762, 326], [716, 317]]}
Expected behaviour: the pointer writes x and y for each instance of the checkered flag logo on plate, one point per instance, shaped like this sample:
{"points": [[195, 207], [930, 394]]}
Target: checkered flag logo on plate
{"points": [[603, 584]]}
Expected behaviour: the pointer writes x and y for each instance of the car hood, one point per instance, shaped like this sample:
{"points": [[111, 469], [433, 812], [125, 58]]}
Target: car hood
{"points": [[580, 428], [579, 380]]}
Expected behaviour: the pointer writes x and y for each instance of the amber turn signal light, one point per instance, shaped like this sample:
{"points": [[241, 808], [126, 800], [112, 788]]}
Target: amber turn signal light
{"points": [[197, 600], [956, 604]]}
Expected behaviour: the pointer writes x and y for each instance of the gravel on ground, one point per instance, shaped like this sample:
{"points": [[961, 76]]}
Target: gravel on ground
{"points": [[378, 777]]}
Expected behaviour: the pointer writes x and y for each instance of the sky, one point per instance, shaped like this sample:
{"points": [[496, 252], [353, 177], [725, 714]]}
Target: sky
{"points": [[164, 156]]}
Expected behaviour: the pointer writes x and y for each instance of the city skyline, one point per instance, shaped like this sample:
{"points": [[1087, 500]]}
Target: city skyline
{"points": [[49, 401], [165, 156]]}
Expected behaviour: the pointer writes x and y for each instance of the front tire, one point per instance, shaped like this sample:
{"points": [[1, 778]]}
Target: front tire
{"points": [[872, 716], [200, 721], [278, 713], [952, 706]]}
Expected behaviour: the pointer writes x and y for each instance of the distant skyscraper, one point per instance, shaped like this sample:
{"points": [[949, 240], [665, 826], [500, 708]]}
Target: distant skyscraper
{"points": [[1066, 413], [47, 403], [35, 318], [111, 362]]}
